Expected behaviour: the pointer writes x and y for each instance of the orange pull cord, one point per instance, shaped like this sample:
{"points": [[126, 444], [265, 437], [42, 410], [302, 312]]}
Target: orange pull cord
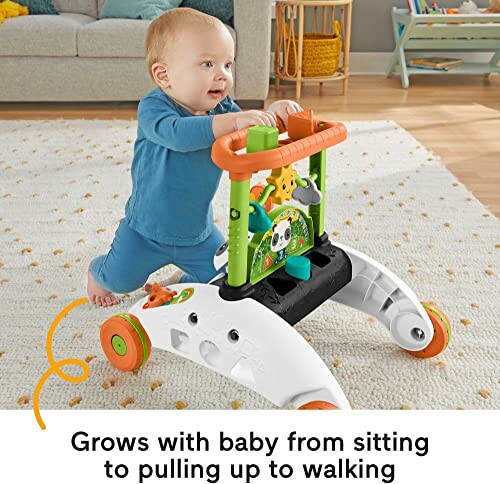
{"points": [[55, 366]]}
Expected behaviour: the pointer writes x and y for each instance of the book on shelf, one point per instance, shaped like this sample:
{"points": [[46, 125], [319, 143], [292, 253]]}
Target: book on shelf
{"points": [[416, 6], [420, 7], [428, 68], [437, 63], [411, 6]]}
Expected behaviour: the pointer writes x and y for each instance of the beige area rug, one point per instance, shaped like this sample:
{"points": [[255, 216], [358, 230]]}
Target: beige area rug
{"points": [[63, 186]]}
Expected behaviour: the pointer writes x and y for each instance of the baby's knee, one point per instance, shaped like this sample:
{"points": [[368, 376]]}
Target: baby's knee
{"points": [[123, 286], [126, 280], [120, 280]]}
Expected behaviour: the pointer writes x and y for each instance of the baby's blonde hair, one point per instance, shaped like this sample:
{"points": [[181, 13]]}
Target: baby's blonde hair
{"points": [[164, 29]]}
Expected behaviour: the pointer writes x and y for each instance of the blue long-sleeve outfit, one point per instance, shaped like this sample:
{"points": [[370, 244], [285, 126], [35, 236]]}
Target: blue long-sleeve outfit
{"points": [[168, 217]]}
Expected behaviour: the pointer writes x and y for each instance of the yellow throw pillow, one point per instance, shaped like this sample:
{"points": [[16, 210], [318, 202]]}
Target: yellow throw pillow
{"points": [[11, 9]]}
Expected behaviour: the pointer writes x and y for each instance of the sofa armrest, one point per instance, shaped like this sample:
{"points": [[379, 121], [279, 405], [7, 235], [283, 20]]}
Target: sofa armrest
{"points": [[252, 23]]}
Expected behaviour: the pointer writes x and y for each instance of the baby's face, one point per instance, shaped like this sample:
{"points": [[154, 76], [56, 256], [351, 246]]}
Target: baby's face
{"points": [[199, 68]]}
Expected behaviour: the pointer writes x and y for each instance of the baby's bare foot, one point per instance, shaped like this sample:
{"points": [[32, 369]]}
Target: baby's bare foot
{"points": [[172, 279], [99, 296]]}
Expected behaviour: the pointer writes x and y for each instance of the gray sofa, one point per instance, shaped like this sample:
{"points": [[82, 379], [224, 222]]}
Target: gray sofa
{"points": [[76, 57]]}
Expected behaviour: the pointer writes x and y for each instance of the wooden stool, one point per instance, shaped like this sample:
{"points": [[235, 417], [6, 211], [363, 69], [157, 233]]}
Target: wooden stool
{"points": [[289, 47]]}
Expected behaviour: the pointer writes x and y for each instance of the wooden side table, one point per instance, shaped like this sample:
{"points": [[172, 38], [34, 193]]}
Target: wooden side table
{"points": [[290, 17]]}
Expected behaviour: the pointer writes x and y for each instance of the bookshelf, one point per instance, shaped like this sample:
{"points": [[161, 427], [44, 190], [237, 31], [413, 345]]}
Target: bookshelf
{"points": [[444, 32]]}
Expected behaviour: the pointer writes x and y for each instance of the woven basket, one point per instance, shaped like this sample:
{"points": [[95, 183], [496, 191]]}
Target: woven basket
{"points": [[320, 53]]}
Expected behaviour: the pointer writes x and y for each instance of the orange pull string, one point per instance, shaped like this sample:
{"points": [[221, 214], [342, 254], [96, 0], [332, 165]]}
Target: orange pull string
{"points": [[55, 366]]}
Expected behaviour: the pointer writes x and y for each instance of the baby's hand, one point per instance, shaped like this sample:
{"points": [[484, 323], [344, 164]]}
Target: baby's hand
{"points": [[255, 117], [284, 108]]}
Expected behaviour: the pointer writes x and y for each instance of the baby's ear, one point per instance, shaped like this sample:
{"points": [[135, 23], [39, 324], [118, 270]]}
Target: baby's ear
{"points": [[160, 75]]}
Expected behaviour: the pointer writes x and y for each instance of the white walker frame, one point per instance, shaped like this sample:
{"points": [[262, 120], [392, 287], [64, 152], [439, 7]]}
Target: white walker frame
{"points": [[270, 357]]}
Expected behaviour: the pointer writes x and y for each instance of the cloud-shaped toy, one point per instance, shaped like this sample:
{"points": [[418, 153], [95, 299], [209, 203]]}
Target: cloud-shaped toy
{"points": [[309, 195]]}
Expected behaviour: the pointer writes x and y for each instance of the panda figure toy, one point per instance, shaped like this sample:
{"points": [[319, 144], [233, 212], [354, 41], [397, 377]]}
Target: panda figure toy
{"points": [[282, 234]]}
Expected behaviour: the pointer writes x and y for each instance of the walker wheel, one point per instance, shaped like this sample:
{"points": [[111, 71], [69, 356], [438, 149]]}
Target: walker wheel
{"points": [[442, 333], [318, 405], [125, 342]]}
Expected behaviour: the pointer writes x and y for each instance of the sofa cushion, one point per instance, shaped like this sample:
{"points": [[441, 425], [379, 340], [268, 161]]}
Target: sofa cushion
{"points": [[143, 9], [87, 7], [41, 35], [113, 38], [116, 38], [39, 7]]}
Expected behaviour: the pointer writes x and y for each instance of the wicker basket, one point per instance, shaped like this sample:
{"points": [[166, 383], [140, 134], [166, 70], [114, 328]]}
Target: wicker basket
{"points": [[320, 53]]}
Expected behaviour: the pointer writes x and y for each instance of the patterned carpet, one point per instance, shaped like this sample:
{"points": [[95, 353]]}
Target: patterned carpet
{"points": [[63, 186]]}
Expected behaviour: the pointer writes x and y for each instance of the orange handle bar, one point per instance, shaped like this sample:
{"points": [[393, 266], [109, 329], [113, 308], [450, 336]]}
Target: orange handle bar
{"points": [[241, 167]]}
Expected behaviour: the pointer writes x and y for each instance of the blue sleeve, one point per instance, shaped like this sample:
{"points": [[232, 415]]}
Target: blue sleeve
{"points": [[232, 107], [161, 125]]}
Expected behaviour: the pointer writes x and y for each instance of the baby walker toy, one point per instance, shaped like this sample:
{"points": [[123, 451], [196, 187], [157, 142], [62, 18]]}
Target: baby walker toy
{"points": [[281, 265]]}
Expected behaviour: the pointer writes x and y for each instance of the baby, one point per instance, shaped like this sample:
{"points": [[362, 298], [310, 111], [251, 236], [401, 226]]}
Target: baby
{"points": [[168, 217]]}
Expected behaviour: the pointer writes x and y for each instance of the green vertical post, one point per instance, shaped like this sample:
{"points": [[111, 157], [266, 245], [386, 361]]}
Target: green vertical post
{"points": [[238, 233], [317, 165], [259, 138]]}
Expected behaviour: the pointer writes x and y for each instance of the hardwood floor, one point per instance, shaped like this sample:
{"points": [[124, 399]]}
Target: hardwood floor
{"points": [[458, 117]]}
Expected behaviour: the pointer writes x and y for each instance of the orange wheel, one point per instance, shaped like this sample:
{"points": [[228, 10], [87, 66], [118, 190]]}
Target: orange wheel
{"points": [[255, 193], [442, 333], [318, 405], [125, 342]]}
